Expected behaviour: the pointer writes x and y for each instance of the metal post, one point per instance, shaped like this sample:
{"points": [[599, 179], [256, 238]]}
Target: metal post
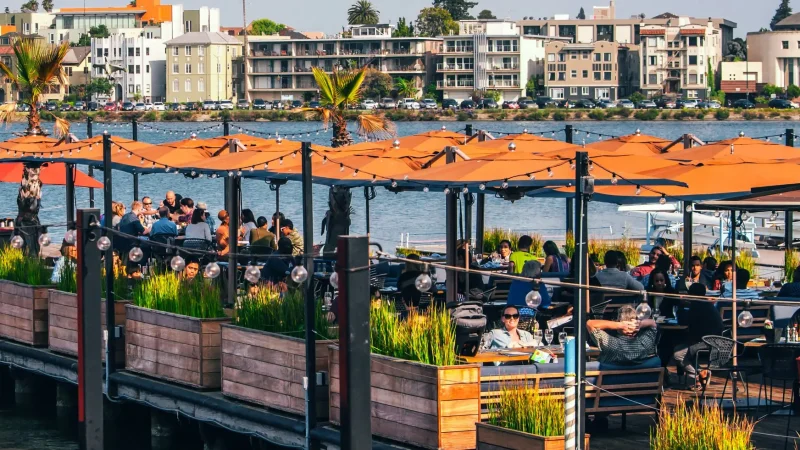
{"points": [[111, 325], [90, 366], [451, 224], [480, 211], [354, 345], [789, 137], [581, 278], [90, 171], [734, 315], [226, 127], [135, 132], [308, 249], [469, 200], [232, 205], [70, 194], [369, 194], [570, 207], [568, 134], [688, 223], [468, 130], [788, 233]]}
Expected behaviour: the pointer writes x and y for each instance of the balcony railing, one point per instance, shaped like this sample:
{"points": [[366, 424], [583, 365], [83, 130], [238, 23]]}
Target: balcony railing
{"points": [[504, 84], [458, 50], [271, 53], [414, 68], [443, 66], [505, 67], [455, 83]]}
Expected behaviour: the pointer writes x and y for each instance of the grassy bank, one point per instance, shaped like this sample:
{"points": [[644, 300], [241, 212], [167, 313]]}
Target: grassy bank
{"points": [[557, 115]]}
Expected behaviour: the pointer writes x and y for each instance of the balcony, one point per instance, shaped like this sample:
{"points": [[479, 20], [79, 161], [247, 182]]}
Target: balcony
{"points": [[413, 68], [456, 84], [503, 84], [504, 67], [442, 67], [504, 49], [453, 50], [270, 54]]}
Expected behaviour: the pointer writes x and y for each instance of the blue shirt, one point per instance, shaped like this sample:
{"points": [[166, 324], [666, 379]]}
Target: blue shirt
{"points": [[164, 226], [741, 294], [501, 338]]}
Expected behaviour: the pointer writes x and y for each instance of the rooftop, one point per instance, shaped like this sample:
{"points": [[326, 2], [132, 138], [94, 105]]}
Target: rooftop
{"points": [[76, 55], [205, 38], [790, 23]]}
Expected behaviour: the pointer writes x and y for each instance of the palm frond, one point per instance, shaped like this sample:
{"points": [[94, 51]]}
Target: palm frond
{"points": [[327, 92], [376, 126], [8, 113], [321, 114], [61, 127], [350, 86], [39, 64]]}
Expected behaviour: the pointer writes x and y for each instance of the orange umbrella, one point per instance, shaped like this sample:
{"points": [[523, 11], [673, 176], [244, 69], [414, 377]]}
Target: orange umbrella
{"points": [[255, 162], [632, 144], [24, 144], [740, 146], [51, 174], [430, 142], [353, 170], [525, 143]]}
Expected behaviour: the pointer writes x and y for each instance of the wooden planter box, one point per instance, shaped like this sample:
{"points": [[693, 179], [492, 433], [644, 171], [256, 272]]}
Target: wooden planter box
{"points": [[268, 369], [63, 324], [491, 437], [177, 348], [419, 404], [23, 313]]}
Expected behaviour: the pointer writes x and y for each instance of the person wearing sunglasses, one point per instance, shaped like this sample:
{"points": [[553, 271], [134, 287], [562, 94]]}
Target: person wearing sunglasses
{"points": [[509, 336]]}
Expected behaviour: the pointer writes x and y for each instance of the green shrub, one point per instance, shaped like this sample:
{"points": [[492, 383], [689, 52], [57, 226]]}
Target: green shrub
{"points": [[168, 292], [786, 117], [646, 114], [722, 114], [577, 114], [522, 408], [701, 114], [150, 116], [16, 266], [774, 114], [428, 337], [700, 427], [569, 245], [559, 116], [73, 116], [269, 309], [597, 114], [749, 115], [449, 112], [621, 112], [684, 114], [737, 110], [462, 116], [666, 115], [538, 115], [762, 116]]}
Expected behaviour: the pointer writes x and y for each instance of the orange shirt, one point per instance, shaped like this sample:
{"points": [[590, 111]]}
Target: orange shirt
{"points": [[223, 235]]}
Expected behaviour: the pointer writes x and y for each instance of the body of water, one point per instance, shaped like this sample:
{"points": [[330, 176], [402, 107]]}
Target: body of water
{"points": [[417, 213]]}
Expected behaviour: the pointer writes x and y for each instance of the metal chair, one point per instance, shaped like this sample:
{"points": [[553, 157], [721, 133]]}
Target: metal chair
{"points": [[598, 310], [720, 354], [197, 248], [778, 363], [162, 253]]}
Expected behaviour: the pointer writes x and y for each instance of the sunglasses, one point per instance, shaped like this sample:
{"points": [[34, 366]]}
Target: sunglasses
{"points": [[511, 316], [147, 204]]}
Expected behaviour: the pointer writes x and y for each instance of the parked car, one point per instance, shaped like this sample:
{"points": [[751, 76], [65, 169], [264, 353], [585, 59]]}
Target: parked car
{"points": [[65, 107], [110, 106], [686, 104], [449, 103], [487, 103], [277, 104], [259, 104], [605, 103], [314, 104], [711, 104], [566, 104], [410, 103], [225, 104], [743, 103], [647, 104], [209, 105], [546, 102], [510, 104], [79, 106], [780, 103], [666, 103], [51, 106], [128, 106], [23, 107], [527, 104], [139, 107], [467, 104], [625, 103], [92, 106], [369, 104], [388, 103], [148, 106], [428, 103], [242, 104], [585, 103]]}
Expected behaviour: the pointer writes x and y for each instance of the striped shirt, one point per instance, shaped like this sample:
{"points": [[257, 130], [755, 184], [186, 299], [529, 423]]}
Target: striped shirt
{"points": [[626, 349]]}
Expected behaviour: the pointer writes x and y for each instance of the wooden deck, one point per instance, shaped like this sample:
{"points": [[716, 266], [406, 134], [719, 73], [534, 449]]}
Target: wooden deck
{"points": [[637, 434]]}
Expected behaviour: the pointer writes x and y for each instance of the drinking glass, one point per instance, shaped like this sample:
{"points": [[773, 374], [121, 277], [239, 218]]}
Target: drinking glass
{"points": [[562, 339], [328, 301], [537, 338], [675, 312], [656, 313], [548, 336]]}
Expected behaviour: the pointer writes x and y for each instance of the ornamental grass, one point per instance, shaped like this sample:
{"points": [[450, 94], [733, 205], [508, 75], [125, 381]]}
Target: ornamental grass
{"points": [[67, 281], [169, 292], [700, 428], [16, 266], [428, 337], [276, 310], [523, 408]]}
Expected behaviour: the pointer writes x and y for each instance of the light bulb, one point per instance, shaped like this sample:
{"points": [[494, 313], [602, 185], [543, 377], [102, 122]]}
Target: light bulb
{"points": [[425, 189], [638, 189], [614, 179], [446, 190], [17, 242], [512, 146], [104, 243], [662, 200], [773, 216], [423, 282], [44, 240], [334, 280], [643, 311], [212, 270], [482, 187], [532, 176], [394, 184], [533, 299], [69, 237], [549, 172], [525, 131], [745, 319], [505, 184], [299, 274], [136, 254], [177, 263], [465, 190], [252, 274]]}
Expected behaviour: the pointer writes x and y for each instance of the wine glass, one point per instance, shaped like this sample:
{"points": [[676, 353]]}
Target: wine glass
{"points": [[548, 336], [675, 312], [537, 337], [562, 339]]}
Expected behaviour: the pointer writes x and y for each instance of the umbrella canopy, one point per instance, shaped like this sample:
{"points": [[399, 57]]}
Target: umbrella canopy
{"points": [[740, 146], [526, 143], [430, 142], [353, 170], [24, 144], [632, 144], [50, 174]]}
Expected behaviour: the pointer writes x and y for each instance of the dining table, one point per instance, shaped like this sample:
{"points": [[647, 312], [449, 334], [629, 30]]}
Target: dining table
{"points": [[520, 354]]}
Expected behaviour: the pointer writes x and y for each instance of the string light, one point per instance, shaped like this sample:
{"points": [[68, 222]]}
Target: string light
{"points": [[505, 184], [662, 200], [482, 187], [614, 179], [425, 189], [447, 190], [638, 189], [465, 190], [532, 176], [550, 172]]}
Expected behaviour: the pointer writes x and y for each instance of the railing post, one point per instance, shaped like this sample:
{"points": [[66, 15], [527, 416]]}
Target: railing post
{"points": [[451, 224], [788, 232], [232, 206], [226, 127], [581, 261], [135, 133], [70, 194], [90, 171], [109, 260], [310, 303]]}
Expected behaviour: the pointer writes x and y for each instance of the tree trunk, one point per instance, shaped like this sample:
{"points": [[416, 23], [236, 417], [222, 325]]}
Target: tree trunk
{"points": [[28, 204], [34, 120], [337, 218]]}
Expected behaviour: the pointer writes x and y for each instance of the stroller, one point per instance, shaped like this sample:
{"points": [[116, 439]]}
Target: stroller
{"points": [[470, 325]]}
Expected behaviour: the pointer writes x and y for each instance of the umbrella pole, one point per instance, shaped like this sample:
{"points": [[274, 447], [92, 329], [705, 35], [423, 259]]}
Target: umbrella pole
{"points": [[310, 305], [788, 237], [579, 309], [734, 316], [688, 225], [277, 213], [231, 182], [90, 172], [451, 225], [70, 194], [109, 260], [367, 198], [480, 212]]}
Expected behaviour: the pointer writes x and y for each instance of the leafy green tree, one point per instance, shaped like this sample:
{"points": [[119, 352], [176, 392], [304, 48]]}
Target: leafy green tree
{"points": [[711, 80], [99, 86], [30, 6], [432, 92], [403, 29], [636, 97], [737, 49], [362, 13], [405, 88], [265, 27], [770, 89], [458, 9], [793, 91], [783, 11], [84, 41], [494, 95], [100, 31], [136, 96], [486, 14], [530, 86], [47, 5], [308, 96], [581, 14], [435, 21], [376, 84]]}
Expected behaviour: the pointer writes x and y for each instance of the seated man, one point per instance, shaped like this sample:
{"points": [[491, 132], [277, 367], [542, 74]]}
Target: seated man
{"points": [[509, 336], [634, 340], [791, 290], [261, 239], [643, 269], [518, 259], [611, 276], [277, 265], [742, 292], [163, 226], [703, 319]]}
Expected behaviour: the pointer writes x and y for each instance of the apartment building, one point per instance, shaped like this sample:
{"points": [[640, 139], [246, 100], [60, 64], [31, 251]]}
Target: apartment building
{"points": [[200, 67], [144, 57], [279, 67], [740, 79], [778, 52], [489, 55], [25, 22], [78, 66], [598, 70]]}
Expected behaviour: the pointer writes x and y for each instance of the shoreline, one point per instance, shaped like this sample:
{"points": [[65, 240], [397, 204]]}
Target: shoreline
{"points": [[530, 115]]}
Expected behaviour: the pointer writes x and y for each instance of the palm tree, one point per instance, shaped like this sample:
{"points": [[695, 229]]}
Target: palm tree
{"points": [[405, 88], [38, 66], [362, 13], [336, 92]]}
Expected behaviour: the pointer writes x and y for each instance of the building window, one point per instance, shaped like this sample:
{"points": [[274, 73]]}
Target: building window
{"points": [[606, 56], [130, 89], [573, 90], [596, 76], [692, 60], [652, 60], [188, 68], [130, 52], [138, 51], [187, 50], [130, 68], [585, 90], [201, 51], [187, 26], [585, 74], [174, 51], [147, 68], [175, 86], [201, 68], [562, 57], [551, 57], [562, 76], [785, 45], [147, 88], [175, 68], [573, 55], [652, 79], [147, 51], [585, 54], [691, 94], [138, 88], [201, 85], [99, 52], [138, 69], [557, 93], [692, 78], [693, 41], [597, 57], [551, 76], [573, 74], [607, 76], [187, 85]]}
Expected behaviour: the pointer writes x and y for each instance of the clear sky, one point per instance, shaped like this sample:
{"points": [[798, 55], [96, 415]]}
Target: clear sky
{"points": [[330, 15]]}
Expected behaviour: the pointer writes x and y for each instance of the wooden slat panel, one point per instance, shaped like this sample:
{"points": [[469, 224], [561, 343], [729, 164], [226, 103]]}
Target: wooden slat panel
{"points": [[183, 337], [459, 407], [460, 440], [459, 423], [63, 346], [256, 380], [459, 391], [398, 415], [168, 359], [262, 396], [265, 340], [268, 355], [16, 311], [62, 322], [166, 320], [151, 368], [162, 345], [16, 322], [267, 369]]}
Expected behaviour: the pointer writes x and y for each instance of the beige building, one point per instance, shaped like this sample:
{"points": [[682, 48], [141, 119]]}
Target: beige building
{"points": [[200, 67], [778, 52], [279, 67], [598, 70], [740, 79], [77, 65]]}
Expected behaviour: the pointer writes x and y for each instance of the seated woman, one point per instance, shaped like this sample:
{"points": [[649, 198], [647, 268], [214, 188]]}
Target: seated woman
{"points": [[724, 274], [658, 283], [554, 261], [503, 252], [509, 336], [406, 284], [69, 254], [703, 319], [198, 229]]}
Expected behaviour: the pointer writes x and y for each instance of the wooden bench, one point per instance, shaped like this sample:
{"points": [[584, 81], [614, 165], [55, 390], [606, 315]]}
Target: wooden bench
{"points": [[756, 330]]}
